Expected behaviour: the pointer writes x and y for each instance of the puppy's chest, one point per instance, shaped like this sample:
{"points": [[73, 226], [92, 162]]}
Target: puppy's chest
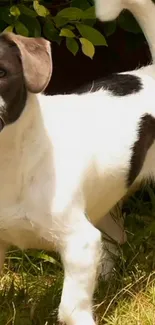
{"points": [[25, 215]]}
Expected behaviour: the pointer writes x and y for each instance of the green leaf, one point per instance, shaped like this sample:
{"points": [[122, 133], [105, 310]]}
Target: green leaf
{"points": [[87, 47], [8, 29], [27, 11], [6, 16], [66, 32], [110, 27], [21, 29], [127, 22], [70, 27], [40, 9], [60, 21], [50, 32], [45, 257], [70, 13], [89, 13], [90, 33], [72, 45], [14, 11], [89, 22], [32, 24]]}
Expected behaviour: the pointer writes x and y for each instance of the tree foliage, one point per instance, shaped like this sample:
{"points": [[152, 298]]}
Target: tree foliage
{"points": [[72, 21]]}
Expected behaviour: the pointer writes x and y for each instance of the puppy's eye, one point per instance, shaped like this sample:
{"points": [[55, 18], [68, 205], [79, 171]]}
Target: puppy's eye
{"points": [[2, 73]]}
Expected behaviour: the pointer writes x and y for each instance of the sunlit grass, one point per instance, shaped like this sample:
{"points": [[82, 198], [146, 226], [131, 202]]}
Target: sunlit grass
{"points": [[31, 282]]}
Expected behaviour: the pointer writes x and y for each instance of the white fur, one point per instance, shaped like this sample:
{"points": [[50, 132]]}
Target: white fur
{"points": [[63, 166], [66, 156]]}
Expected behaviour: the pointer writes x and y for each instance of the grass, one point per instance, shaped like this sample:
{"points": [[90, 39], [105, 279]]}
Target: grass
{"points": [[31, 282]]}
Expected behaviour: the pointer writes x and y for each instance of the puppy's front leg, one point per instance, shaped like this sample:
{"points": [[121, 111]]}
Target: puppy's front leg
{"points": [[80, 252]]}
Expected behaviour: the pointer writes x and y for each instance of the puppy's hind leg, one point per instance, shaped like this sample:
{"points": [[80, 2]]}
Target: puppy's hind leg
{"points": [[112, 228], [3, 249]]}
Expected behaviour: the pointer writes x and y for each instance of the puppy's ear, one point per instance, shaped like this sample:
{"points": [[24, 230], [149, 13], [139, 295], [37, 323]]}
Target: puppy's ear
{"points": [[36, 60]]}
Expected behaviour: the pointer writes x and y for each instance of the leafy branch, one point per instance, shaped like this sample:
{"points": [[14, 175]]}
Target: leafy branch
{"points": [[75, 23]]}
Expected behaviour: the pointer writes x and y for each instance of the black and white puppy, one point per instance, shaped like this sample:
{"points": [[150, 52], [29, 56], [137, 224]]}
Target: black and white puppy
{"points": [[66, 160]]}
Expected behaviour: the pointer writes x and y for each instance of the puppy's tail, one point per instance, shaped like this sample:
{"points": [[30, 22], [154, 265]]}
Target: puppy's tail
{"points": [[143, 11]]}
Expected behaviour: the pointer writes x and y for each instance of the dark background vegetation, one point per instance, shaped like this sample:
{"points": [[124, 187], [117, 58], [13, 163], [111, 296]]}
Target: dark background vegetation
{"points": [[125, 50], [70, 72]]}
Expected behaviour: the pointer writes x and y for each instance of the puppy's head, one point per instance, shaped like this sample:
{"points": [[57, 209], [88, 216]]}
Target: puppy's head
{"points": [[25, 66]]}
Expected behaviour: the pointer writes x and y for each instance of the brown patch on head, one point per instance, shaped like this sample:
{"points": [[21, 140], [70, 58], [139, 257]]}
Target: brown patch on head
{"points": [[25, 65], [13, 93], [36, 60]]}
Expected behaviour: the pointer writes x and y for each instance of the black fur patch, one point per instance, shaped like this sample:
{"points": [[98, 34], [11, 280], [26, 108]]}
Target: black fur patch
{"points": [[12, 85], [141, 146], [117, 84]]}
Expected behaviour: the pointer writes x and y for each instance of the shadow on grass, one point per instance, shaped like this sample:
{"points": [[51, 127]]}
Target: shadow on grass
{"points": [[134, 270], [30, 286]]}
